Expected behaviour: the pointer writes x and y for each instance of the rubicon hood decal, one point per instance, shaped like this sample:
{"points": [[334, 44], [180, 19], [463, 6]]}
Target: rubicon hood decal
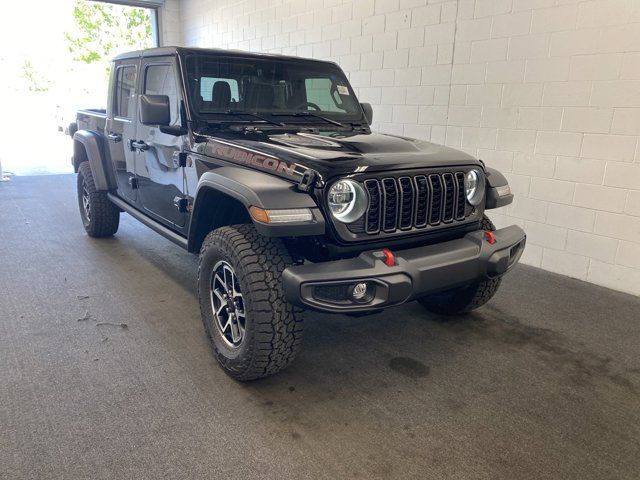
{"points": [[255, 159], [259, 160]]}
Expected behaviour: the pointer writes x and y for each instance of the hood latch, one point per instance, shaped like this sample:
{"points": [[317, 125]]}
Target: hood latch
{"points": [[310, 178]]}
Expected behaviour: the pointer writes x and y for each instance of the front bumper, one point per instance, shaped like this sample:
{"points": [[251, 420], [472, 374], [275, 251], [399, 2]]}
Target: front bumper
{"points": [[328, 286]]}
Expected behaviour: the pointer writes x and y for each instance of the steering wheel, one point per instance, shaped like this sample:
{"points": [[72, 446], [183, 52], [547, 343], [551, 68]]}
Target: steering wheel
{"points": [[308, 104]]}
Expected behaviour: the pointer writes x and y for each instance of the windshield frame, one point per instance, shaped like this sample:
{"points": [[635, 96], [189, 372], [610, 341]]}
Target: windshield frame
{"points": [[222, 117]]}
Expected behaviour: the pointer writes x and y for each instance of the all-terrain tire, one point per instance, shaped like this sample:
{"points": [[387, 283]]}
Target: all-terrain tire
{"points": [[100, 217], [464, 299], [273, 328]]}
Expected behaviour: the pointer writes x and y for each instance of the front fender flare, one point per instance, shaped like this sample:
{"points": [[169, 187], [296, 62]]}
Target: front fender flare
{"points": [[496, 179], [253, 188]]}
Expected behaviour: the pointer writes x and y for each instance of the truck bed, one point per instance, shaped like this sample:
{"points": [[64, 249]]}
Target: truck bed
{"points": [[91, 119]]}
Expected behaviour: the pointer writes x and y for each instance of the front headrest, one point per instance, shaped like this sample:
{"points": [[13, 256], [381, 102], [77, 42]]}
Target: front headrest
{"points": [[221, 95]]}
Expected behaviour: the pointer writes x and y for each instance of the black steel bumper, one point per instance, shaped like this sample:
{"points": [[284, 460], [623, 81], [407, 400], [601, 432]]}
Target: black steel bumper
{"points": [[328, 286]]}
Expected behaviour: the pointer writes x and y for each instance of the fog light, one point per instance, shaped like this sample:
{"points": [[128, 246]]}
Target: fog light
{"points": [[359, 291], [362, 292]]}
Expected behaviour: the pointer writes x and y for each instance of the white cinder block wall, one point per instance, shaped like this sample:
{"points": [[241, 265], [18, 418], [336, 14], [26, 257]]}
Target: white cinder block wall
{"points": [[170, 23], [548, 91]]}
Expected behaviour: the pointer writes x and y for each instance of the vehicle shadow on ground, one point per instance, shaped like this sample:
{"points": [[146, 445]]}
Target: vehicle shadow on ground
{"points": [[422, 342]]}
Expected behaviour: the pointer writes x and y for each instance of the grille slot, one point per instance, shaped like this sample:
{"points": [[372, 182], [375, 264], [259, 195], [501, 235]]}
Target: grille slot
{"points": [[375, 204], [409, 202], [462, 197], [390, 209], [406, 203], [435, 213], [450, 193], [422, 200]]}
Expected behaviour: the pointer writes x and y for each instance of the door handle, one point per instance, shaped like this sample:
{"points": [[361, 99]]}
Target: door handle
{"points": [[138, 145], [114, 137]]}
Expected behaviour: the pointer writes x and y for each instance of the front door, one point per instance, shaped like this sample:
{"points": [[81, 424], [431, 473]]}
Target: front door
{"points": [[121, 128], [160, 177]]}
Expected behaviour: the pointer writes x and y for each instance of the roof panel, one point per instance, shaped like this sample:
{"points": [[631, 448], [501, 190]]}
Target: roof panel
{"points": [[162, 51]]}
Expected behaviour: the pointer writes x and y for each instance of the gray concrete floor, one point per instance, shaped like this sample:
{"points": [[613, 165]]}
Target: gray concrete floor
{"points": [[544, 382]]}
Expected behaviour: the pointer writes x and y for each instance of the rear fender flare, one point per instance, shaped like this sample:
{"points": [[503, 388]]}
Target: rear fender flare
{"points": [[89, 146]]}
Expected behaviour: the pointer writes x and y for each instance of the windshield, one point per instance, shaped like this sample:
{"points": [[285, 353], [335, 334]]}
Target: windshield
{"points": [[290, 91]]}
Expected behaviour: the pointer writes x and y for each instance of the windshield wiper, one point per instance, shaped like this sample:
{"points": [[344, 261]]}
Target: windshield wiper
{"points": [[308, 114], [254, 115]]}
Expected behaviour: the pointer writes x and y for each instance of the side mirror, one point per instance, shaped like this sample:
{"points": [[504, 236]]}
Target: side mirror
{"points": [[155, 110], [368, 112]]}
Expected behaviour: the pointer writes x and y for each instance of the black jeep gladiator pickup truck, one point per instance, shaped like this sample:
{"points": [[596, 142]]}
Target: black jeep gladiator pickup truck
{"points": [[266, 166]]}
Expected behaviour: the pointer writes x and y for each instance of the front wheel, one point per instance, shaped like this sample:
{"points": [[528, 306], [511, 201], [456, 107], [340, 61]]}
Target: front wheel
{"points": [[464, 299], [253, 332]]}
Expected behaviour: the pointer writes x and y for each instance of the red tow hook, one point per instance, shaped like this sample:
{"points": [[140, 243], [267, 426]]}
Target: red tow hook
{"points": [[489, 237], [389, 258]]}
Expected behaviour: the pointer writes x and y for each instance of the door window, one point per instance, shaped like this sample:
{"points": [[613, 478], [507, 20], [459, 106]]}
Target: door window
{"points": [[125, 91], [161, 80]]}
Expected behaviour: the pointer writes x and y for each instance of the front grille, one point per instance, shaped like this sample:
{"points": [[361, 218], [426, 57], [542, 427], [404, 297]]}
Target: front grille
{"points": [[409, 202]]}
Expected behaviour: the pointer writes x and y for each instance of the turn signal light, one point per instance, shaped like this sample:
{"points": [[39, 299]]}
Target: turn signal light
{"points": [[259, 214]]}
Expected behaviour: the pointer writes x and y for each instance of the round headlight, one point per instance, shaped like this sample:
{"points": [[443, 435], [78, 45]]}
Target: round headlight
{"points": [[347, 200], [474, 186]]}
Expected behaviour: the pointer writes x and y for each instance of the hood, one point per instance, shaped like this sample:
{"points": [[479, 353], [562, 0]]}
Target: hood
{"points": [[330, 154]]}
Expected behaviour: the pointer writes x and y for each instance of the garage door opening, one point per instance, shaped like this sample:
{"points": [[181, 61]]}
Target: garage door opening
{"points": [[60, 65]]}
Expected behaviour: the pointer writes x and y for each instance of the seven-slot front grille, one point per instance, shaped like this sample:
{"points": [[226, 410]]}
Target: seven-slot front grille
{"points": [[418, 201]]}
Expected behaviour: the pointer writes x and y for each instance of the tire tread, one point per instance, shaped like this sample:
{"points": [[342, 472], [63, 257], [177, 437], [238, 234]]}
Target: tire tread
{"points": [[105, 216], [277, 325]]}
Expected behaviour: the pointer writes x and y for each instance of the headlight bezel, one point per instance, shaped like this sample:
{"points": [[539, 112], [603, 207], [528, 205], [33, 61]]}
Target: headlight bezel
{"points": [[355, 208], [474, 194]]}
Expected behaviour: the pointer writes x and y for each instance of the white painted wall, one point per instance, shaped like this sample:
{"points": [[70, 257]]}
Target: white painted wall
{"points": [[170, 23], [548, 91]]}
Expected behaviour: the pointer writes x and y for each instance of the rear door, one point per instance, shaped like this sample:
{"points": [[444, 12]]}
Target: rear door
{"points": [[121, 126], [160, 176]]}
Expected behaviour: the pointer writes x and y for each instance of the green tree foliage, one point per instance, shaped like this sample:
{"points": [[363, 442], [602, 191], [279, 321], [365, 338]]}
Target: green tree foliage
{"points": [[103, 30], [36, 82]]}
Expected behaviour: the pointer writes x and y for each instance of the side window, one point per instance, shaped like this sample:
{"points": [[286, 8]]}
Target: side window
{"points": [[207, 83], [161, 80], [322, 92], [124, 97]]}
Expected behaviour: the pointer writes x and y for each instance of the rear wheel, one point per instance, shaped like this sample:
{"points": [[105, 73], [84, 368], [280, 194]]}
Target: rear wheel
{"points": [[253, 332], [463, 299], [100, 217]]}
